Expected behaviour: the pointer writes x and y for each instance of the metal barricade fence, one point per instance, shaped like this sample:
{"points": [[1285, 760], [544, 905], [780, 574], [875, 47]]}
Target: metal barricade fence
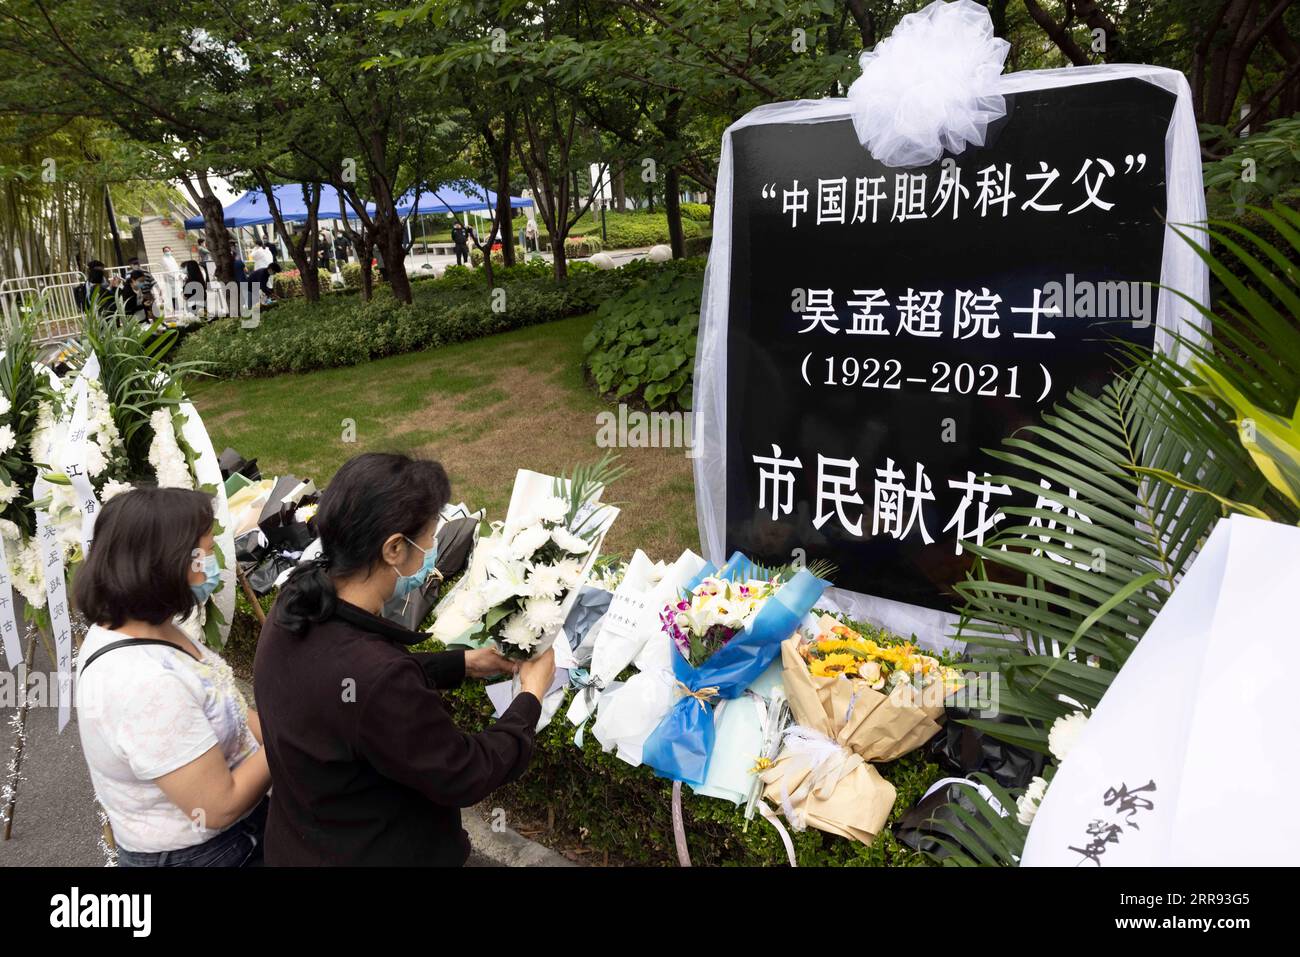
{"points": [[53, 297], [58, 298]]}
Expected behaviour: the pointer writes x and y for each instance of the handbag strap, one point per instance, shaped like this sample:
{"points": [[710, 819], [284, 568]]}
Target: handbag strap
{"points": [[123, 643]]}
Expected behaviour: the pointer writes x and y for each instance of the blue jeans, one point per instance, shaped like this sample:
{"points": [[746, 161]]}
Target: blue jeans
{"points": [[239, 845]]}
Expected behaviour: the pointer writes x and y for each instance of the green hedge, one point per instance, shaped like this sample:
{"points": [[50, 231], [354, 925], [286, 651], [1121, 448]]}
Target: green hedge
{"points": [[342, 330], [608, 805], [582, 247], [498, 258], [633, 230], [642, 345], [699, 212]]}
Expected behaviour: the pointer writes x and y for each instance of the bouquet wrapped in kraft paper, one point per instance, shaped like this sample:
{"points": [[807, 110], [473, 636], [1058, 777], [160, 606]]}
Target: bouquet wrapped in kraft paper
{"points": [[854, 701]]}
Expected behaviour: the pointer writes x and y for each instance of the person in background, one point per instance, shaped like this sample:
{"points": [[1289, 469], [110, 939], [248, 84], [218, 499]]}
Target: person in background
{"points": [[262, 256], [171, 282], [136, 294], [530, 235], [196, 283], [174, 752], [96, 288], [262, 282], [204, 255], [242, 283], [324, 252], [368, 765], [460, 240]]}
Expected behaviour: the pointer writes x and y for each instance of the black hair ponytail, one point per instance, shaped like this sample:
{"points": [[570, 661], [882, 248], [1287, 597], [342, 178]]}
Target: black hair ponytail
{"points": [[372, 497]]}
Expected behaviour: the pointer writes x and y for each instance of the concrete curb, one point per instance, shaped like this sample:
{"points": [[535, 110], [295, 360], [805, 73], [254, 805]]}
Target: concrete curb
{"points": [[506, 847]]}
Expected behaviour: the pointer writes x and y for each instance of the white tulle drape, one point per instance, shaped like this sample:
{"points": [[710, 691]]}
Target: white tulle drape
{"points": [[931, 86]]}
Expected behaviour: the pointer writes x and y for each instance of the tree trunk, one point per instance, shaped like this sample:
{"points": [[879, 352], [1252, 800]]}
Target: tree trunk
{"points": [[673, 207], [672, 181], [393, 243], [302, 252], [620, 194], [367, 252], [505, 214], [505, 217], [560, 264], [1058, 34], [214, 226]]}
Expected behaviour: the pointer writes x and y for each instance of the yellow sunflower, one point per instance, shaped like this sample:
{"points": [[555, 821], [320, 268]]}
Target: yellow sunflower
{"points": [[834, 665]]}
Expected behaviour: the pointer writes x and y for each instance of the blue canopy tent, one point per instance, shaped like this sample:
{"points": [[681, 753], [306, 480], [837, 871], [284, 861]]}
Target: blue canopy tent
{"points": [[448, 199], [251, 209]]}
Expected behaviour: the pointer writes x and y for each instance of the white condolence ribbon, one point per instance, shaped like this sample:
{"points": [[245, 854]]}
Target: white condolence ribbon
{"points": [[56, 591], [8, 623], [74, 459]]}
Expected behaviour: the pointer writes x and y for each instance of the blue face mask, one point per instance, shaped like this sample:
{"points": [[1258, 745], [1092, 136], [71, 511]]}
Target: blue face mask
{"points": [[409, 583], [213, 572]]}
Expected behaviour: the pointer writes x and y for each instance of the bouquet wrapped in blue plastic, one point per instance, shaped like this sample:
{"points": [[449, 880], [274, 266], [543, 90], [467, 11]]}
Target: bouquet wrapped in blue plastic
{"points": [[728, 629]]}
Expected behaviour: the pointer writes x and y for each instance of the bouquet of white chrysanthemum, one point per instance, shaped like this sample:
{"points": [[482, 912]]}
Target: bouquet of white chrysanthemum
{"points": [[523, 577], [118, 418]]}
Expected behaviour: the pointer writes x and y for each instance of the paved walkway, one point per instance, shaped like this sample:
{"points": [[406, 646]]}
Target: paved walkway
{"points": [[416, 262], [56, 820]]}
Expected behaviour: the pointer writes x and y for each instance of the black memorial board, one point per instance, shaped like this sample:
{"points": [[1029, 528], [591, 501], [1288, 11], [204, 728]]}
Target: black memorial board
{"points": [[898, 402]]}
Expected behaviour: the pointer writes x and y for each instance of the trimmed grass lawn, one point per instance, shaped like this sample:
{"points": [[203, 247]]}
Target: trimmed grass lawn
{"points": [[483, 408]]}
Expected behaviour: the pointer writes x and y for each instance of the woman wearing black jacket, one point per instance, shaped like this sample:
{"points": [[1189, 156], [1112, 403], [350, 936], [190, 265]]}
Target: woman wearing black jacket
{"points": [[367, 766]]}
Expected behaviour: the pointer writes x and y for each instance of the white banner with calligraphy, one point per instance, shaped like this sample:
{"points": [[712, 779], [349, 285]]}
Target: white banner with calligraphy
{"points": [[74, 459], [1184, 761], [56, 589], [10, 631]]}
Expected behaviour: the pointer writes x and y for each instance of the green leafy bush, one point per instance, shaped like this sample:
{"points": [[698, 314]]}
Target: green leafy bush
{"points": [[633, 230], [611, 806], [698, 246], [352, 275], [476, 256], [1272, 156], [287, 284], [643, 343], [341, 330], [581, 247], [699, 212]]}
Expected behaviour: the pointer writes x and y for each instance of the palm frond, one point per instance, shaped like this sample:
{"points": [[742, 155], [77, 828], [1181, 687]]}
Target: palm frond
{"points": [[134, 373], [1129, 483], [584, 483], [21, 386]]}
